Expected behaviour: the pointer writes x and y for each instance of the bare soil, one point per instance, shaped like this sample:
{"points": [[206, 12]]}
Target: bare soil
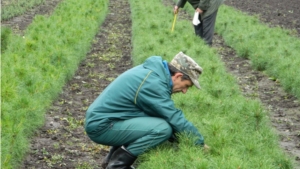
{"points": [[62, 143], [284, 14]]}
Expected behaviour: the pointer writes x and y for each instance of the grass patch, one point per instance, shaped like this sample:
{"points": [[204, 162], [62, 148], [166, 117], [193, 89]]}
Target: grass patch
{"points": [[273, 50], [237, 129], [11, 8]]}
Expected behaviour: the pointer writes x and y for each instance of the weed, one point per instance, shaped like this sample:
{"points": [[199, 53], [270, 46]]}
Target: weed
{"points": [[57, 158], [111, 66], [52, 131], [91, 75], [110, 79], [73, 123], [44, 151], [91, 65], [101, 75], [84, 165], [56, 145]]}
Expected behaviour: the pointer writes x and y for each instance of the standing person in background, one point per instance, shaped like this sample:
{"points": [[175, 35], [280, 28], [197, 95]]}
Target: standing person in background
{"points": [[207, 10], [135, 112]]}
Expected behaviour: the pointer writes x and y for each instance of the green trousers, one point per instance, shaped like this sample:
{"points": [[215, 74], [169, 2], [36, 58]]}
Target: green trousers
{"points": [[136, 134]]}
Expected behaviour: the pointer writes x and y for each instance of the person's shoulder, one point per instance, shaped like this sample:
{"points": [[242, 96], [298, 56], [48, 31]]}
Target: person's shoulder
{"points": [[155, 58]]}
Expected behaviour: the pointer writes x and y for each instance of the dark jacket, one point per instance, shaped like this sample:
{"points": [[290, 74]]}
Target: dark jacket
{"points": [[144, 90], [208, 6]]}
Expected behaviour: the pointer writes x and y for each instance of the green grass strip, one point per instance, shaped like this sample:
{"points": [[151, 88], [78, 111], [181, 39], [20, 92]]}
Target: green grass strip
{"points": [[272, 50], [11, 8], [238, 130], [35, 68]]}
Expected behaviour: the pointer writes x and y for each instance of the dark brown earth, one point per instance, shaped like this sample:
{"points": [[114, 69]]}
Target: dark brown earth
{"points": [[62, 143], [285, 14]]}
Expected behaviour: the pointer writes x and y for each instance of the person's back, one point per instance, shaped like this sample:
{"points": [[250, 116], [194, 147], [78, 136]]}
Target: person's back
{"points": [[120, 100]]}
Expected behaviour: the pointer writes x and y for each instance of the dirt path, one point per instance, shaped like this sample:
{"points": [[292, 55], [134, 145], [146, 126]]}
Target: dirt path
{"points": [[61, 142]]}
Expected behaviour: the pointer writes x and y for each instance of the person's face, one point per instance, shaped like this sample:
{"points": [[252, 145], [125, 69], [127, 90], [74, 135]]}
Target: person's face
{"points": [[180, 85]]}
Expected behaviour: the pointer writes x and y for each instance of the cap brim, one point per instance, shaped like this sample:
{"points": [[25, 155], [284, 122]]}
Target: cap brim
{"points": [[196, 83]]}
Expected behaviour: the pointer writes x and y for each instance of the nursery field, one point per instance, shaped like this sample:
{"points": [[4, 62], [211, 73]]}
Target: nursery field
{"points": [[61, 142]]}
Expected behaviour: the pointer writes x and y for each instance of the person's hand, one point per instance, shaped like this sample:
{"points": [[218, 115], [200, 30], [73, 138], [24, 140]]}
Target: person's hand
{"points": [[206, 148], [199, 11], [176, 9]]}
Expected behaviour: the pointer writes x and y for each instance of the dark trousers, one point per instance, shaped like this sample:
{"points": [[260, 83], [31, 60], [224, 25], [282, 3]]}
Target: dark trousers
{"points": [[206, 28]]}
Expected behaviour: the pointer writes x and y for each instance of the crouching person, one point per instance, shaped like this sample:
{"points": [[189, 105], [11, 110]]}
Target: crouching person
{"points": [[135, 112]]}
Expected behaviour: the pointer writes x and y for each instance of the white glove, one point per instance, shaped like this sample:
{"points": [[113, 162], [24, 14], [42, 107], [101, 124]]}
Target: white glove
{"points": [[196, 19]]}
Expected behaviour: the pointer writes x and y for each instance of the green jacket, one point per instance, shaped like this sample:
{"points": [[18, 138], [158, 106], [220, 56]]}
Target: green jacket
{"points": [[208, 6], [142, 91]]}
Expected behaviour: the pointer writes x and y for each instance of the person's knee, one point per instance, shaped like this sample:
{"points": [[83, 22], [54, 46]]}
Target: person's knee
{"points": [[165, 130], [168, 131]]}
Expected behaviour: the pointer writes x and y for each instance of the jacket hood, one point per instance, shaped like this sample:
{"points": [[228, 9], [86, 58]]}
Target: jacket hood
{"points": [[155, 63]]}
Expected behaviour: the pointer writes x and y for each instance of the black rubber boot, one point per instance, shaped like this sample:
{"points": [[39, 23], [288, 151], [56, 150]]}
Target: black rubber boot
{"points": [[121, 159], [108, 156]]}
